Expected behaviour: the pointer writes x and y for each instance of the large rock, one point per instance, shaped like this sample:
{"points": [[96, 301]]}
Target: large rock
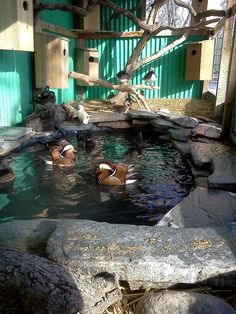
{"points": [[202, 208], [203, 153], [9, 133], [224, 173], [180, 134], [162, 124], [182, 302], [144, 257], [185, 121], [209, 130], [141, 114]]}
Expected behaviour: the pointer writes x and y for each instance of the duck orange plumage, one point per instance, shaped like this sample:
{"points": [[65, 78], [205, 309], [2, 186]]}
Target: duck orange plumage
{"points": [[114, 174], [62, 154]]}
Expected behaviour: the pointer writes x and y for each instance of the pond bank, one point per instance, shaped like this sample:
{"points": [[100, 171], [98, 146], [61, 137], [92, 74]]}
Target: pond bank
{"points": [[199, 250]]}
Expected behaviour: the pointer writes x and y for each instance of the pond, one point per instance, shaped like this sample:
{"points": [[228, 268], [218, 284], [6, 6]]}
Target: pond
{"points": [[39, 190]]}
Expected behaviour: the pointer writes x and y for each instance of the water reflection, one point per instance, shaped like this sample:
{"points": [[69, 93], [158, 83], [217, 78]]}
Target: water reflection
{"points": [[41, 191]]}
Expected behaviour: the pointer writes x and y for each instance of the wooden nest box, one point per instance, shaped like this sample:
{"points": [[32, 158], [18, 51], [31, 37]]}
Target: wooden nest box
{"points": [[199, 60], [87, 62], [16, 25], [51, 61]]}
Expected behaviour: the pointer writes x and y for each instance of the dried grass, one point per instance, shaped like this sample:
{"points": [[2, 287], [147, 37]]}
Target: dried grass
{"points": [[131, 298], [189, 107]]}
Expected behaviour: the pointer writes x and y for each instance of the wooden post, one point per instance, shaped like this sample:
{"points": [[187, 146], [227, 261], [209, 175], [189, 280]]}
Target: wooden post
{"points": [[224, 65], [229, 98]]}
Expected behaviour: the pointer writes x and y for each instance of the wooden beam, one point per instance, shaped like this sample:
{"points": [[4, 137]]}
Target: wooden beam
{"points": [[58, 30], [229, 99], [85, 34]]}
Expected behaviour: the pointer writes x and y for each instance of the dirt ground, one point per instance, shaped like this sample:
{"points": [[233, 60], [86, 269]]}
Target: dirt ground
{"points": [[189, 107]]}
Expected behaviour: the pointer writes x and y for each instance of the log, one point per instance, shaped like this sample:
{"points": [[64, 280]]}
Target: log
{"points": [[46, 287]]}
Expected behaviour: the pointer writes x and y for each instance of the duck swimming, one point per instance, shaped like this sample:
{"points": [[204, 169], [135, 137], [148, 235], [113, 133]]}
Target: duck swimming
{"points": [[88, 143], [114, 174], [62, 154], [7, 175]]}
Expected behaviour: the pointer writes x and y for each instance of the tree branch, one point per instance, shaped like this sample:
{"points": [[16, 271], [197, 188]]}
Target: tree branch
{"points": [[186, 5], [162, 51], [208, 13], [153, 13]]}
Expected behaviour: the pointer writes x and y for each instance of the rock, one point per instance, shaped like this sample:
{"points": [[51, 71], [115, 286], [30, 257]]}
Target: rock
{"points": [[224, 173], [180, 134], [162, 124], [203, 153], [185, 121], [11, 133], [182, 147], [202, 208], [141, 114], [182, 302], [209, 130], [145, 257], [35, 124]]}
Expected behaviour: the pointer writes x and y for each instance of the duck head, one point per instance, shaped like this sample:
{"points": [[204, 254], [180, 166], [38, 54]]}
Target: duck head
{"points": [[68, 152]]}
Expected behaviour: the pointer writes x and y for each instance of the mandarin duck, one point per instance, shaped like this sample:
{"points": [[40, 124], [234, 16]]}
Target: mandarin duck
{"points": [[150, 77], [62, 154], [6, 173], [114, 174], [122, 76], [88, 142]]}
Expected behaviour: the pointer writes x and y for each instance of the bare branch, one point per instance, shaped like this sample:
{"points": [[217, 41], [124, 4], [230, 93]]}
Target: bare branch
{"points": [[208, 13], [162, 51], [125, 12], [153, 13], [186, 5], [63, 7], [131, 89]]}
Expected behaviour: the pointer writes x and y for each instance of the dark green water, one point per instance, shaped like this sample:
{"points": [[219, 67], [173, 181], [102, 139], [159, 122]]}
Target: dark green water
{"points": [[50, 192]]}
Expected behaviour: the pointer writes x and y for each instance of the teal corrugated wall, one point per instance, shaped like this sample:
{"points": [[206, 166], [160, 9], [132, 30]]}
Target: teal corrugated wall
{"points": [[15, 86], [170, 68], [118, 23]]}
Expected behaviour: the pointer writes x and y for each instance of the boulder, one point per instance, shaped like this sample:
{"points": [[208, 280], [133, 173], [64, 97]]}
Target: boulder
{"points": [[182, 302], [202, 208]]}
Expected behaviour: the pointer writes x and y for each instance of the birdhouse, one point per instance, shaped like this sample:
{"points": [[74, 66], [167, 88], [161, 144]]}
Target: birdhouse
{"points": [[199, 60], [16, 25], [87, 63], [51, 61]]}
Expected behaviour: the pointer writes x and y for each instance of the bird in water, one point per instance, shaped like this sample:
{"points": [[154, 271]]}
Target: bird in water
{"points": [[86, 139], [62, 154], [150, 77], [82, 115], [7, 175], [122, 76], [114, 174]]}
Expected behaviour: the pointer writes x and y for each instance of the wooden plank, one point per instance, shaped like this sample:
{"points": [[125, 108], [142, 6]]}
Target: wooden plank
{"points": [[83, 34], [58, 30]]}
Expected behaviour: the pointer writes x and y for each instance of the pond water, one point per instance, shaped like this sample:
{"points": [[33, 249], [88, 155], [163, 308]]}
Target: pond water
{"points": [[50, 192]]}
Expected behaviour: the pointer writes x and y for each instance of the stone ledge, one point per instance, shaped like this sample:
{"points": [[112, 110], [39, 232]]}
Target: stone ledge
{"points": [[145, 257]]}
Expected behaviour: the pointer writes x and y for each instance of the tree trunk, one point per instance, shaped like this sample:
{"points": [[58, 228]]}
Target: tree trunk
{"points": [[41, 286]]}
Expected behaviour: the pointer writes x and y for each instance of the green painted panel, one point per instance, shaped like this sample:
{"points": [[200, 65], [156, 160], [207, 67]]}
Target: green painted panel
{"points": [[15, 87], [118, 22], [170, 68], [57, 17]]}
